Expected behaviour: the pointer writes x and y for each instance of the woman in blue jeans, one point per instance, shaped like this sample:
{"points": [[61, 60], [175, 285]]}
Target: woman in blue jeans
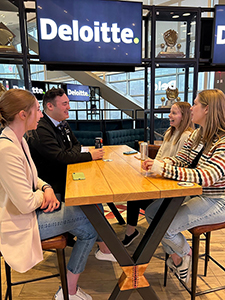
{"points": [[29, 209], [201, 160]]}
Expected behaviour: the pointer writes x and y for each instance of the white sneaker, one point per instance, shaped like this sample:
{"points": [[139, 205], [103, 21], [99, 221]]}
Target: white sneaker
{"points": [[171, 265], [104, 256], [80, 295], [182, 271]]}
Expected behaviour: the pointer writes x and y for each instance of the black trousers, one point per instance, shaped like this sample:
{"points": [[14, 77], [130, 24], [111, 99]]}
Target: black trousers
{"points": [[133, 209]]}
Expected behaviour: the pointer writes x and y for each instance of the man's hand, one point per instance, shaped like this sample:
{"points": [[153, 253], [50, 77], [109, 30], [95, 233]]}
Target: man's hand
{"points": [[50, 201], [147, 164], [97, 153]]}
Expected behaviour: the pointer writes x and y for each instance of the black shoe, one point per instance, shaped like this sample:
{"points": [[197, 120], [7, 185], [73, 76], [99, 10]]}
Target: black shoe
{"points": [[130, 238]]}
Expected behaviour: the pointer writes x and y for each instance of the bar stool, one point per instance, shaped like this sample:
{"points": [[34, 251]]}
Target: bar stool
{"points": [[196, 232], [57, 243]]}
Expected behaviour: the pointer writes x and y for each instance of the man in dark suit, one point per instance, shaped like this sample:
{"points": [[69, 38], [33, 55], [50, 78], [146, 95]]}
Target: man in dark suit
{"points": [[53, 145]]}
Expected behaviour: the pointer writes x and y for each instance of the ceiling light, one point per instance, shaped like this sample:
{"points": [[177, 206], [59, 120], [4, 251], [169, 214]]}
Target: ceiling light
{"points": [[186, 14], [175, 16]]}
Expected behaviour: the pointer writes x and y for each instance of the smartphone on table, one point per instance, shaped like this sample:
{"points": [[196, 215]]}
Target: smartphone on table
{"points": [[78, 176], [130, 152]]}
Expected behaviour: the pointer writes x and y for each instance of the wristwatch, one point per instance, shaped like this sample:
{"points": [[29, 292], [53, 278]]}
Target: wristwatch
{"points": [[46, 186]]}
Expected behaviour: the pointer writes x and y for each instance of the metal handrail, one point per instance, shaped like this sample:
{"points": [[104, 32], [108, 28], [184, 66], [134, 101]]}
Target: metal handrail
{"points": [[100, 111]]}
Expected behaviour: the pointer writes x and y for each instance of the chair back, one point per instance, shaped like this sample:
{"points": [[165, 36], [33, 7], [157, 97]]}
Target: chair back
{"points": [[152, 150]]}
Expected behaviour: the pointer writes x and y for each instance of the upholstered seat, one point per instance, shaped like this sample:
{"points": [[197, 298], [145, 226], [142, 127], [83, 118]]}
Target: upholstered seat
{"points": [[124, 136]]}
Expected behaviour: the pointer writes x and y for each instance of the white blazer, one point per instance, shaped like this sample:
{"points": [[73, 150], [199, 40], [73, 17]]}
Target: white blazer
{"points": [[20, 242]]}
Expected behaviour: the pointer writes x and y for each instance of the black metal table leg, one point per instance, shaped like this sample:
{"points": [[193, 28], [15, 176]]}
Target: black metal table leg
{"points": [[116, 213], [117, 294], [134, 267]]}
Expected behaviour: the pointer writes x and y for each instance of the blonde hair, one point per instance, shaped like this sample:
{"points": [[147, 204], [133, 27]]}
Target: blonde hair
{"points": [[214, 127], [185, 124], [12, 102], [2, 89]]}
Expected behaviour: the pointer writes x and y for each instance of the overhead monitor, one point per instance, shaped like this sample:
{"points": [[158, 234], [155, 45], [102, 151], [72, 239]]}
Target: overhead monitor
{"points": [[77, 92], [219, 35], [90, 32], [38, 87]]}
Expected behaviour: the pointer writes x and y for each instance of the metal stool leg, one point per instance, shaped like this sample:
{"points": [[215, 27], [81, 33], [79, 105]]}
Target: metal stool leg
{"points": [[195, 254], [207, 250], [166, 269], [9, 282], [0, 279], [62, 271]]}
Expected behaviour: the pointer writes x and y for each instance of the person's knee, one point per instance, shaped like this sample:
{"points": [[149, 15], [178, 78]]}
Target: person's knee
{"points": [[86, 232]]}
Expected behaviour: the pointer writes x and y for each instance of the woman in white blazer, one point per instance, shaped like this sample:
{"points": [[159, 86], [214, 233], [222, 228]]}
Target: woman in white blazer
{"points": [[23, 196]]}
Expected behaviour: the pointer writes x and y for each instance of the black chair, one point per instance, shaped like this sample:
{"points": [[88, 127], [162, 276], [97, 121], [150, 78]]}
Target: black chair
{"points": [[57, 243]]}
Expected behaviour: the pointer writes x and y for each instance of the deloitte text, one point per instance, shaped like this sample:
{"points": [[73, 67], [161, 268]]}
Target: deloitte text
{"points": [[77, 93], [159, 86], [220, 40], [100, 32], [35, 90]]}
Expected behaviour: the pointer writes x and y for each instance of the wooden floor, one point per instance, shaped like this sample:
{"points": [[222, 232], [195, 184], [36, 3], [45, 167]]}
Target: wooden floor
{"points": [[100, 277]]}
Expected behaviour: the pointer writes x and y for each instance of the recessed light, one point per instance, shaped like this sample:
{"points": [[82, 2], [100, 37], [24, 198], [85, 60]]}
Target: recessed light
{"points": [[175, 16], [186, 14]]}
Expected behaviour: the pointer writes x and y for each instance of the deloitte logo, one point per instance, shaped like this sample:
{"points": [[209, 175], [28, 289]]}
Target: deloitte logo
{"points": [[77, 93], [35, 90], [100, 32], [220, 39]]}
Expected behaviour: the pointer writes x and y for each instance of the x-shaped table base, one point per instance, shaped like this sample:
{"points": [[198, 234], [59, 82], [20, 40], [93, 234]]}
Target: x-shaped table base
{"points": [[134, 267]]}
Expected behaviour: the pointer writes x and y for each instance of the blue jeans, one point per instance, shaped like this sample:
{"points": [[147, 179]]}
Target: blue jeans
{"points": [[69, 219], [199, 210]]}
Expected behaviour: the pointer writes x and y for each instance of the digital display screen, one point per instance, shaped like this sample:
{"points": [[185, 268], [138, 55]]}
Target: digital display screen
{"points": [[89, 31], [78, 92], [219, 35]]}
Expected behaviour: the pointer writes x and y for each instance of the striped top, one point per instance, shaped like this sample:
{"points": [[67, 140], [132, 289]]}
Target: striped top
{"points": [[210, 170]]}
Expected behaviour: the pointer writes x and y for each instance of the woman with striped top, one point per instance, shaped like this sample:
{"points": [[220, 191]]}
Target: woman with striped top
{"points": [[201, 160]]}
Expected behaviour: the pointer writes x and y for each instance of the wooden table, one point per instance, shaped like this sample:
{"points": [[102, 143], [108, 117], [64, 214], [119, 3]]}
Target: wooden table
{"points": [[122, 179]]}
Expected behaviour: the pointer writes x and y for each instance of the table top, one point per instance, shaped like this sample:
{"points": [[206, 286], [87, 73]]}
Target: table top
{"points": [[121, 179]]}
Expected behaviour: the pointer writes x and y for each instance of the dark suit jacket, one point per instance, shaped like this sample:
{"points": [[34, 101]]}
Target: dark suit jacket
{"points": [[52, 152]]}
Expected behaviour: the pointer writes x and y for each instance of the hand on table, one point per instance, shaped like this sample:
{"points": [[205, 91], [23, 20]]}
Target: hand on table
{"points": [[97, 153], [147, 164]]}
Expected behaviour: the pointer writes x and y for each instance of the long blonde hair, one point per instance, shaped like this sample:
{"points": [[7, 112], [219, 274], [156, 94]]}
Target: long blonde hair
{"points": [[214, 127], [185, 124], [12, 102]]}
